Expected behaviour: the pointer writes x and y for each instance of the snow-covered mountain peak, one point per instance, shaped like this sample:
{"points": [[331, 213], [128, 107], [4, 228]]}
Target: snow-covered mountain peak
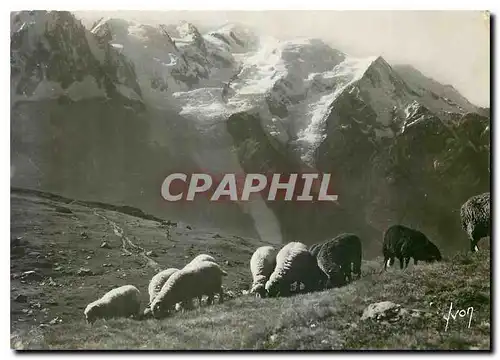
{"points": [[53, 54], [237, 37], [299, 82], [41, 21]]}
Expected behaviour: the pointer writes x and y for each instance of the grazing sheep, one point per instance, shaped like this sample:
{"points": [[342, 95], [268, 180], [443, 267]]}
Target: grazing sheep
{"points": [[339, 257], [195, 280], [201, 257], [123, 301], [294, 263], [189, 305], [475, 216], [262, 265], [405, 243], [155, 286], [158, 281]]}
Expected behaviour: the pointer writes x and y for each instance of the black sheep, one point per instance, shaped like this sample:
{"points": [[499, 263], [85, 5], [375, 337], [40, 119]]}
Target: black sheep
{"points": [[339, 257], [475, 217], [405, 243]]}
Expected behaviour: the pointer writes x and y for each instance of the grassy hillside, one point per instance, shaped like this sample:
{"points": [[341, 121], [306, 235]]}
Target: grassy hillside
{"points": [[63, 242]]}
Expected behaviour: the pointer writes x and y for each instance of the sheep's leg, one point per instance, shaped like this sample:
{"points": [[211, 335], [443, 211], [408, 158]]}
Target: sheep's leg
{"points": [[328, 283], [348, 273], [199, 300], [401, 263], [473, 243], [474, 237], [407, 262], [210, 299], [221, 296], [389, 262], [137, 311], [415, 261], [357, 268], [187, 305], [386, 260]]}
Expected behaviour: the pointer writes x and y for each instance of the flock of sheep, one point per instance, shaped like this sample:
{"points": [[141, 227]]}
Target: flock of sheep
{"points": [[295, 268], [167, 289]]}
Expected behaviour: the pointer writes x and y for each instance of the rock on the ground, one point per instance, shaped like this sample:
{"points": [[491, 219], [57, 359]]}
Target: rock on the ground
{"points": [[151, 253], [63, 210], [383, 311], [51, 282], [84, 272], [21, 298], [31, 275], [105, 245], [36, 305], [55, 320]]}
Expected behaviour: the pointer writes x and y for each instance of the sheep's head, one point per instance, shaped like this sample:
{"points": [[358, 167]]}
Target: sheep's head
{"points": [[321, 280], [259, 290], [147, 312], [433, 253], [161, 308], [336, 277], [93, 311], [272, 288]]}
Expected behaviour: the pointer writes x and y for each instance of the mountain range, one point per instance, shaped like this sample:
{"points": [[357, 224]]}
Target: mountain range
{"points": [[105, 113]]}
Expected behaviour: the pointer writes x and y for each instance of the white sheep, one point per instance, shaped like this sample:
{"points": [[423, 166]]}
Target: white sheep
{"points": [[195, 263], [158, 281], [294, 263], [124, 301], [193, 281], [202, 257], [155, 286], [262, 264]]}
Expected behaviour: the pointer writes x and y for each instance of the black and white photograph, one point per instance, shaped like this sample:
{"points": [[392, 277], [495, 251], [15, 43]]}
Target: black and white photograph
{"points": [[250, 180]]}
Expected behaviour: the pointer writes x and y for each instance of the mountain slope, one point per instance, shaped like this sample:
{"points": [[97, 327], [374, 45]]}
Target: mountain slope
{"points": [[228, 101], [55, 237], [59, 240]]}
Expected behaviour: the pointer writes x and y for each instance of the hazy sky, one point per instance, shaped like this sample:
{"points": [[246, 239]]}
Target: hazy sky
{"points": [[453, 47]]}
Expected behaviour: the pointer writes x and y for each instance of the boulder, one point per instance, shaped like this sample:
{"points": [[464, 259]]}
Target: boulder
{"points": [[383, 311]]}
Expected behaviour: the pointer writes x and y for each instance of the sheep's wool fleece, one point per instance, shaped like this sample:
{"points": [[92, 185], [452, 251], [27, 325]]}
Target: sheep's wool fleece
{"points": [[158, 281], [123, 300], [263, 262], [290, 259], [201, 257], [476, 210], [190, 282]]}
